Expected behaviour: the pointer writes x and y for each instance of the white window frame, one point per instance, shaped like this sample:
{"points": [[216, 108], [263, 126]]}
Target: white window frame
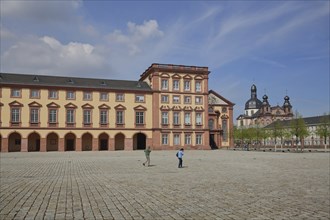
{"points": [[164, 139], [139, 98], [52, 116], [15, 93], [34, 115], [87, 116], [187, 85], [104, 96], [52, 94], [187, 139], [165, 118], [164, 84], [176, 139], [199, 118], [176, 118], [176, 99], [176, 85], [187, 118], [139, 118], [198, 86], [70, 95], [199, 139]]}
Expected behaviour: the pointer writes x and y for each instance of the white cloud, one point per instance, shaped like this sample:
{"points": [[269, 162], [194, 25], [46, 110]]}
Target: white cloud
{"points": [[47, 55], [136, 36]]}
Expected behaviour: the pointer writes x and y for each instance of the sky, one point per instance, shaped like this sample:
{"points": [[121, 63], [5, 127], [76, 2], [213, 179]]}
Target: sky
{"points": [[280, 46]]}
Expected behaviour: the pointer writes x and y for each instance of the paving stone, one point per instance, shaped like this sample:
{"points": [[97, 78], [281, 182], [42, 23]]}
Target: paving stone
{"points": [[213, 185]]}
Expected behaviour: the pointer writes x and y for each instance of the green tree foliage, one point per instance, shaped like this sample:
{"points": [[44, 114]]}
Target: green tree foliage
{"points": [[323, 129], [298, 129]]}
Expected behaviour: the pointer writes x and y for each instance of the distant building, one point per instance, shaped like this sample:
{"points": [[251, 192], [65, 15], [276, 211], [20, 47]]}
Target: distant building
{"points": [[262, 113], [168, 108], [312, 140]]}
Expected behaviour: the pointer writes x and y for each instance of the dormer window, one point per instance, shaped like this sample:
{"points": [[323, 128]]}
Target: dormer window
{"points": [[36, 79], [70, 81]]}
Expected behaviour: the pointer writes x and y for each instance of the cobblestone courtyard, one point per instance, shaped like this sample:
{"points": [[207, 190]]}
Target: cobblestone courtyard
{"points": [[212, 185]]}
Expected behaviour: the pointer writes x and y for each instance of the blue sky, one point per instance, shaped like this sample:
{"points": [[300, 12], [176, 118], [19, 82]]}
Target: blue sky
{"points": [[280, 46]]}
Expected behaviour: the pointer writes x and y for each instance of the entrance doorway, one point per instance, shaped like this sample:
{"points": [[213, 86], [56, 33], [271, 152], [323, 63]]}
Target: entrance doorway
{"points": [[103, 141], [213, 144], [120, 142], [70, 144], [139, 141]]}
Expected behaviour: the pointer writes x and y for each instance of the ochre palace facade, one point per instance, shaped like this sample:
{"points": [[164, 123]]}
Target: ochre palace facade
{"points": [[168, 108]]}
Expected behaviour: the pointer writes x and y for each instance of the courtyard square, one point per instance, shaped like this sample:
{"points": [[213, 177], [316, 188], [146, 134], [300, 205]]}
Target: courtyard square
{"points": [[220, 184]]}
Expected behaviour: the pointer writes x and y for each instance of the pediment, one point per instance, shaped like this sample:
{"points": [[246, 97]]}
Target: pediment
{"points": [[176, 76], [120, 107], [165, 108], [199, 77], [187, 76], [104, 106], [187, 108], [199, 109], [176, 108], [35, 104], [164, 75], [53, 105], [87, 106], [140, 107], [16, 104], [70, 105]]}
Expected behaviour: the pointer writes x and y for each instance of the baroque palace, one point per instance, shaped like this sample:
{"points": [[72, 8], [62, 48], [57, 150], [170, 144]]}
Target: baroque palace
{"points": [[170, 107], [261, 113]]}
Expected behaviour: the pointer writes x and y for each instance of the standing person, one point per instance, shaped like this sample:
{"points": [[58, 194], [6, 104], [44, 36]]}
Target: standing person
{"points": [[147, 153], [180, 155]]}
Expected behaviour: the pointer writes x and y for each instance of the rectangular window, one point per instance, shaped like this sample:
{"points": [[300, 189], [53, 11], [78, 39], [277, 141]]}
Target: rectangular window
{"points": [[198, 86], [139, 116], [52, 116], [198, 100], [187, 99], [69, 116], [187, 139], [164, 98], [87, 96], [34, 116], [176, 99], [52, 94], [176, 85], [198, 118], [15, 93], [35, 93], [120, 97], [104, 117], [187, 119], [70, 95], [164, 118], [15, 115], [164, 139], [87, 117], [176, 118], [198, 139], [120, 117], [225, 130], [176, 140], [164, 84], [139, 98], [186, 85], [104, 96]]}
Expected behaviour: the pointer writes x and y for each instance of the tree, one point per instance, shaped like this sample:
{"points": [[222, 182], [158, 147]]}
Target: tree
{"points": [[298, 129], [323, 129], [277, 132]]}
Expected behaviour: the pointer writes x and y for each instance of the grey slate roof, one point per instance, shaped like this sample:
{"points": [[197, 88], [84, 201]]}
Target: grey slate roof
{"points": [[72, 82], [309, 121]]}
